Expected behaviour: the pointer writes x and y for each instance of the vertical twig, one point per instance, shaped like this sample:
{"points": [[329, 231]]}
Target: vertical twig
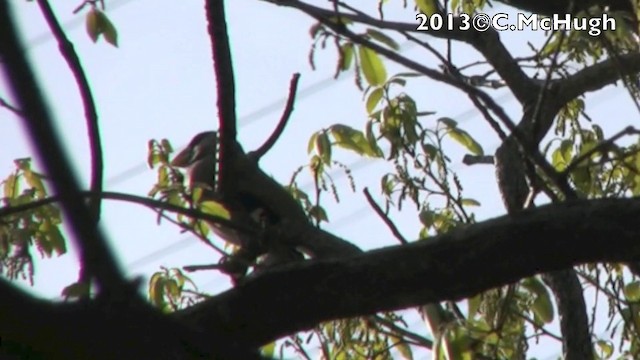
{"points": [[90, 113]]}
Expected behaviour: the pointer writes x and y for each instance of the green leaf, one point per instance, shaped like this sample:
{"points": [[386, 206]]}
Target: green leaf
{"points": [[427, 218], [473, 304], [371, 138], [215, 208], [43, 245], [323, 147], [108, 30], [268, 350], [386, 184], [57, 241], [597, 130], [606, 348], [372, 67], [166, 146], [542, 306], [403, 348], [351, 139], [448, 122], [465, 140], [172, 288], [92, 25], [11, 186], [196, 194], [182, 279], [347, 56], [561, 156], [383, 38], [153, 157], [312, 142], [581, 177], [318, 213], [35, 181], [470, 202], [156, 288], [430, 150], [97, 23], [374, 99], [429, 7], [632, 291]]}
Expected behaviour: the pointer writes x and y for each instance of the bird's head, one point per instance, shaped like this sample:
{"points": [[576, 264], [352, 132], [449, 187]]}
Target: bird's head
{"points": [[201, 146], [199, 158]]}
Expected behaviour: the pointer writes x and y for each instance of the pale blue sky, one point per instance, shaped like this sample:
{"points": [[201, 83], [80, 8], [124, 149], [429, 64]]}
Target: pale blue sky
{"points": [[159, 84]]}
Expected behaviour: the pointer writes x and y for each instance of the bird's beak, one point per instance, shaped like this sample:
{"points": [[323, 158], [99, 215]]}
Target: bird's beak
{"points": [[183, 159]]}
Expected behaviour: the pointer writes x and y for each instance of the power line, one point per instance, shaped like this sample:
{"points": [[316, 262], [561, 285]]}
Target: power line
{"points": [[248, 119], [336, 174], [256, 115]]}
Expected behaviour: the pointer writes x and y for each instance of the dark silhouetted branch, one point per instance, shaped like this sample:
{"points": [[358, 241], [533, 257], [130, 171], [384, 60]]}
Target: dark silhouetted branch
{"points": [[90, 113], [451, 266], [225, 86], [13, 109], [151, 203], [384, 217], [477, 159], [288, 109]]}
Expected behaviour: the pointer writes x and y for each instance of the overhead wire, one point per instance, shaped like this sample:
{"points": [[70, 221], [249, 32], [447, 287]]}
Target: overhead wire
{"points": [[336, 174]]}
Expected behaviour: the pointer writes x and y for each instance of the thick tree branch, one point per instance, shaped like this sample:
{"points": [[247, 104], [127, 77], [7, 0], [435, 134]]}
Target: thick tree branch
{"points": [[597, 76], [225, 88], [96, 255], [288, 109], [43, 330], [572, 311], [452, 266]]}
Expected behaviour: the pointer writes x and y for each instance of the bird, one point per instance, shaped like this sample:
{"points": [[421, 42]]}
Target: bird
{"points": [[199, 158]]}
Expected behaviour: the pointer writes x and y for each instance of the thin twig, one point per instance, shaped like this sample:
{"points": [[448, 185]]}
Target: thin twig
{"points": [[151, 203], [193, 268], [392, 326], [384, 217], [477, 159], [13, 109], [225, 85], [90, 113], [184, 227], [288, 109], [629, 130]]}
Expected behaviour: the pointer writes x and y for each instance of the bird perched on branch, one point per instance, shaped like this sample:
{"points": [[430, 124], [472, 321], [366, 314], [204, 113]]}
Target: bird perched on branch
{"points": [[200, 159]]}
